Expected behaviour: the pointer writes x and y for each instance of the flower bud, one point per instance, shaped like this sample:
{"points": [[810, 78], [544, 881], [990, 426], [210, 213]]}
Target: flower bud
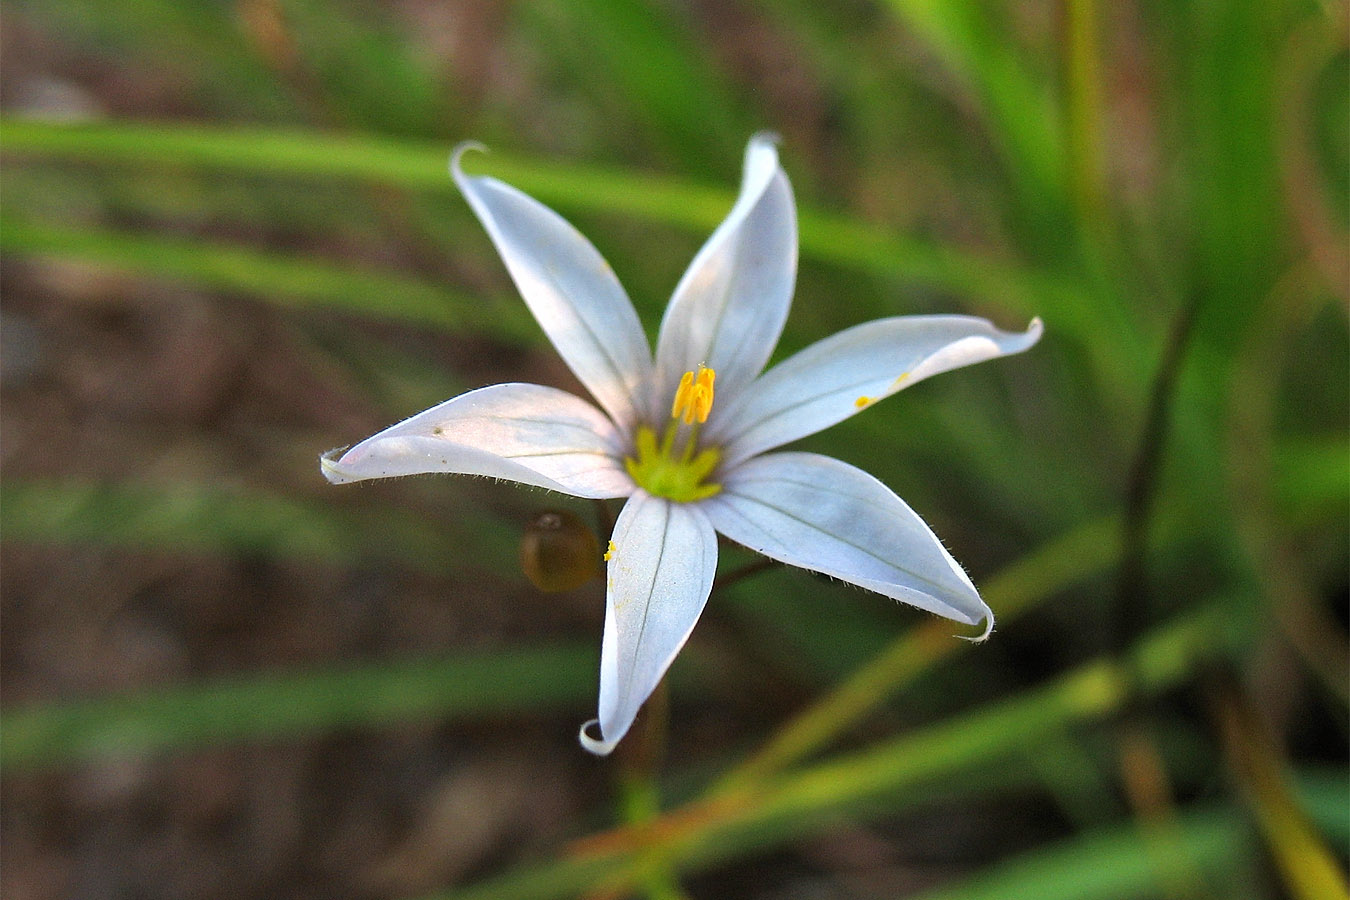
{"points": [[558, 552]]}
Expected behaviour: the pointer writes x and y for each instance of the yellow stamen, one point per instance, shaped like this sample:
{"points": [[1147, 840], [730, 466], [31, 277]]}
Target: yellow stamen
{"points": [[682, 394], [609, 553], [694, 396]]}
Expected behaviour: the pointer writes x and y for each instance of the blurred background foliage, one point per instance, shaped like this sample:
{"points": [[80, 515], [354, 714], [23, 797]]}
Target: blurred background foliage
{"points": [[230, 243]]}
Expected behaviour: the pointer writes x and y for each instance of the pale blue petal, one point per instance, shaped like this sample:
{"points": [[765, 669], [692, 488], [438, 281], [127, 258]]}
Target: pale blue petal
{"points": [[521, 432], [844, 374], [571, 290], [660, 573], [728, 309], [824, 515]]}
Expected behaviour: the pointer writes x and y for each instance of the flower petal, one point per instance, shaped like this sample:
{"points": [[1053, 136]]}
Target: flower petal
{"points": [[521, 432], [660, 573], [827, 516], [844, 374], [571, 291], [728, 309]]}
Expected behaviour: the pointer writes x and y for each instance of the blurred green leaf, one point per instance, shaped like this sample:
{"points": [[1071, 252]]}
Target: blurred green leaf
{"points": [[277, 705], [651, 81], [362, 68], [270, 276], [1083, 552], [207, 517], [1322, 793], [660, 199], [1122, 862], [202, 45], [1313, 476], [1222, 125], [704, 832], [1024, 121]]}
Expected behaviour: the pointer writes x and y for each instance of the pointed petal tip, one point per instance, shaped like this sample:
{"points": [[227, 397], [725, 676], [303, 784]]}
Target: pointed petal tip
{"points": [[772, 138], [762, 145], [598, 746], [456, 172], [1034, 330]]}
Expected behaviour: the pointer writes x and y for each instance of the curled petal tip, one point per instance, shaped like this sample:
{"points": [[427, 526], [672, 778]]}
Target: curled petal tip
{"points": [[599, 747], [460, 149], [988, 624], [328, 465], [1018, 343], [766, 137]]}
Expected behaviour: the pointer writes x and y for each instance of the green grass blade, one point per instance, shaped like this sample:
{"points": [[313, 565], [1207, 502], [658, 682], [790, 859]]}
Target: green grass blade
{"points": [[1024, 121], [288, 280], [1118, 863], [1083, 552], [186, 517], [274, 705], [704, 832], [670, 201], [363, 71], [653, 80], [204, 47], [1312, 477]]}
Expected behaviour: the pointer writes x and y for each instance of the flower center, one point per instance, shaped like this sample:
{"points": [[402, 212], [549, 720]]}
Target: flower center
{"points": [[677, 473]]}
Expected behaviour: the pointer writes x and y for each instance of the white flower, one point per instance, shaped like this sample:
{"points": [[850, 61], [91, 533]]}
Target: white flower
{"points": [[686, 438]]}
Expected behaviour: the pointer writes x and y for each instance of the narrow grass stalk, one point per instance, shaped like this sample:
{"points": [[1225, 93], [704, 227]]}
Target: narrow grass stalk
{"points": [[1082, 76], [1307, 866], [278, 279], [278, 706], [729, 823], [1079, 554], [421, 166]]}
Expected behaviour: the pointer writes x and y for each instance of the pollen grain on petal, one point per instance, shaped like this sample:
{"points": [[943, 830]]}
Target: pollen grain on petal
{"points": [[864, 402], [609, 552]]}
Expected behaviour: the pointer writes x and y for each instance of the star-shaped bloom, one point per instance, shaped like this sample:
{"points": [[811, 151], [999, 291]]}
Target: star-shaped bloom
{"points": [[687, 436]]}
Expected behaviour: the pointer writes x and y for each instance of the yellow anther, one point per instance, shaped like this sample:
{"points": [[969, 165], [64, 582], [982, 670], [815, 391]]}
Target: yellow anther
{"points": [[609, 553], [694, 396], [682, 394], [863, 402]]}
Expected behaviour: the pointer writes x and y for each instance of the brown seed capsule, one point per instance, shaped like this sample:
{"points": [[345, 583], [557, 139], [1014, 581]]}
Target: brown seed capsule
{"points": [[558, 552]]}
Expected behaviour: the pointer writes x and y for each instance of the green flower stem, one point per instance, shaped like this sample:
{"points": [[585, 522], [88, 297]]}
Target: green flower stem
{"points": [[1147, 786], [640, 761], [1131, 600]]}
